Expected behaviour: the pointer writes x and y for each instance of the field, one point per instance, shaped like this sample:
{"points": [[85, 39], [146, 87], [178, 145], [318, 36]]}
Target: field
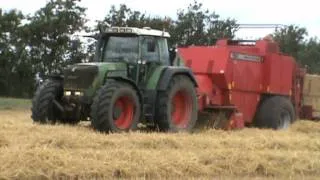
{"points": [[30, 151]]}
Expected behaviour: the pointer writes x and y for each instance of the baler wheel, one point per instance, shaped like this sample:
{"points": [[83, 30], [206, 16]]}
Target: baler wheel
{"points": [[275, 112], [116, 108], [43, 109], [177, 106]]}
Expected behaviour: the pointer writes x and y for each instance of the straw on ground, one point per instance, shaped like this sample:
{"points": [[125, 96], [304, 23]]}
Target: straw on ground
{"points": [[30, 151]]}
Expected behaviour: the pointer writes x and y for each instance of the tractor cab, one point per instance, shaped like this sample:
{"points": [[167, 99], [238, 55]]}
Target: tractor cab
{"points": [[133, 45], [141, 49]]}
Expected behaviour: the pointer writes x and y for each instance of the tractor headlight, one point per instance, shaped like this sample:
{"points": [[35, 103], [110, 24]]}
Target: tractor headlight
{"points": [[67, 93], [78, 93]]}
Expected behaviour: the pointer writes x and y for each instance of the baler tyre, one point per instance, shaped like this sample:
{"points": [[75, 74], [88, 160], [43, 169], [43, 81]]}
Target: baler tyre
{"points": [[43, 109], [275, 112], [116, 108], [177, 106]]}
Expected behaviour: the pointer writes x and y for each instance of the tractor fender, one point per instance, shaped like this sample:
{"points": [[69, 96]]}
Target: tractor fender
{"points": [[169, 72], [129, 81]]}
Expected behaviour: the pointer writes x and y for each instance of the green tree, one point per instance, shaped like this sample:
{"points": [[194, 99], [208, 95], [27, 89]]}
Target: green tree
{"points": [[118, 17], [309, 55], [41, 42], [198, 26], [15, 66], [50, 31], [193, 26], [124, 16], [291, 39]]}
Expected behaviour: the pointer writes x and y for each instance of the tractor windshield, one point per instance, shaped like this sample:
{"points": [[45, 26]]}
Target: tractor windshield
{"points": [[120, 48]]}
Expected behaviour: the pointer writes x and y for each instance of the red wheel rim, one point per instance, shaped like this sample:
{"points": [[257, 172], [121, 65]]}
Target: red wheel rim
{"points": [[181, 109], [126, 106]]}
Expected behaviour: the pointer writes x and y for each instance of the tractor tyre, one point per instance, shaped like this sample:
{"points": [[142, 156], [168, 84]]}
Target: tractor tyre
{"points": [[43, 109], [276, 113], [177, 106], [116, 108]]}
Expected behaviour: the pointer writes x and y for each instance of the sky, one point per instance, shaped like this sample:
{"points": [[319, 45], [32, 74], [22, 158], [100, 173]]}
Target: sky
{"points": [[302, 13]]}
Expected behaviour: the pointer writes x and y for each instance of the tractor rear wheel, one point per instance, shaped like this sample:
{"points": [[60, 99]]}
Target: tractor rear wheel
{"points": [[275, 112], [43, 109], [116, 108], [177, 106]]}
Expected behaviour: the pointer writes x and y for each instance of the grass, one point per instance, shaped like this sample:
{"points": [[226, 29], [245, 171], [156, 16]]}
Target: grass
{"points": [[31, 151], [14, 103]]}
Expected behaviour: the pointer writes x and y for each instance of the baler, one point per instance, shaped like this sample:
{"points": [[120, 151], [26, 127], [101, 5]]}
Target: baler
{"points": [[248, 83]]}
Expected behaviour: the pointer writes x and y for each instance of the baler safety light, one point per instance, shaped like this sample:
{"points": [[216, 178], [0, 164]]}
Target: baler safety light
{"points": [[229, 86], [67, 93]]}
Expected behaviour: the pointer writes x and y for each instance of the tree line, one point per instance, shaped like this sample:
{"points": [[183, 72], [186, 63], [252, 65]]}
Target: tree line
{"points": [[44, 41]]}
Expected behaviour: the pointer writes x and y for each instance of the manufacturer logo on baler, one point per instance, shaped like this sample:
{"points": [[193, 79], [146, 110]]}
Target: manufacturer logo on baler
{"points": [[245, 57]]}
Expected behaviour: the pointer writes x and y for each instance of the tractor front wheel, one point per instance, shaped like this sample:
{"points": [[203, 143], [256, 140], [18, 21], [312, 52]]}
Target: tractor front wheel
{"points": [[43, 108], [177, 106], [116, 108]]}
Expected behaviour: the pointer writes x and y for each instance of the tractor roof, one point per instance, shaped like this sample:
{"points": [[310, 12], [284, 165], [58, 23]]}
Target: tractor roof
{"points": [[138, 31]]}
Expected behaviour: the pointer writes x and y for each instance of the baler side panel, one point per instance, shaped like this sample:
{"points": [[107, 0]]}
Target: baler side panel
{"points": [[287, 75], [246, 103], [225, 81], [278, 73], [210, 66], [246, 75], [205, 60], [246, 86]]}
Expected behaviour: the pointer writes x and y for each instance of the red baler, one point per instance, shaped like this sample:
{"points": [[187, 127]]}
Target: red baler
{"points": [[236, 77]]}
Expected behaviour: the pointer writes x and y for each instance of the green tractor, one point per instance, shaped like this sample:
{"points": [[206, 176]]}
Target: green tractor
{"points": [[132, 80]]}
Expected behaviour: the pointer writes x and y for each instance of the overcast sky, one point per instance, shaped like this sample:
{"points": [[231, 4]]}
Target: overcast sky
{"points": [[303, 13]]}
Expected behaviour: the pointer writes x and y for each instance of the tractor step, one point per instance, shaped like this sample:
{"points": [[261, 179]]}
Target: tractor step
{"points": [[148, 104], [220, 107], [147, 109]]}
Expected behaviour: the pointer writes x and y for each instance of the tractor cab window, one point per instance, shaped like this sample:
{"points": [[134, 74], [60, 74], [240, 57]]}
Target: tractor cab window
{"points": [[121, 48], [164, 51], [149, 49]]}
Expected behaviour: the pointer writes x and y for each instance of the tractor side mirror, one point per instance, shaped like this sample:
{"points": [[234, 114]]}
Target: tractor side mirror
{"points": [[172, 55]]}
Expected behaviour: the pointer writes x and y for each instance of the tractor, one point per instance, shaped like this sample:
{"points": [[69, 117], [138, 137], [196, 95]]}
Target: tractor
{"points": [[132, 80]]}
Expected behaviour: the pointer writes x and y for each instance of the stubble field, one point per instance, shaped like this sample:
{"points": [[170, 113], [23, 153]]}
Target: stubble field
{"points": [[31, 151]]}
